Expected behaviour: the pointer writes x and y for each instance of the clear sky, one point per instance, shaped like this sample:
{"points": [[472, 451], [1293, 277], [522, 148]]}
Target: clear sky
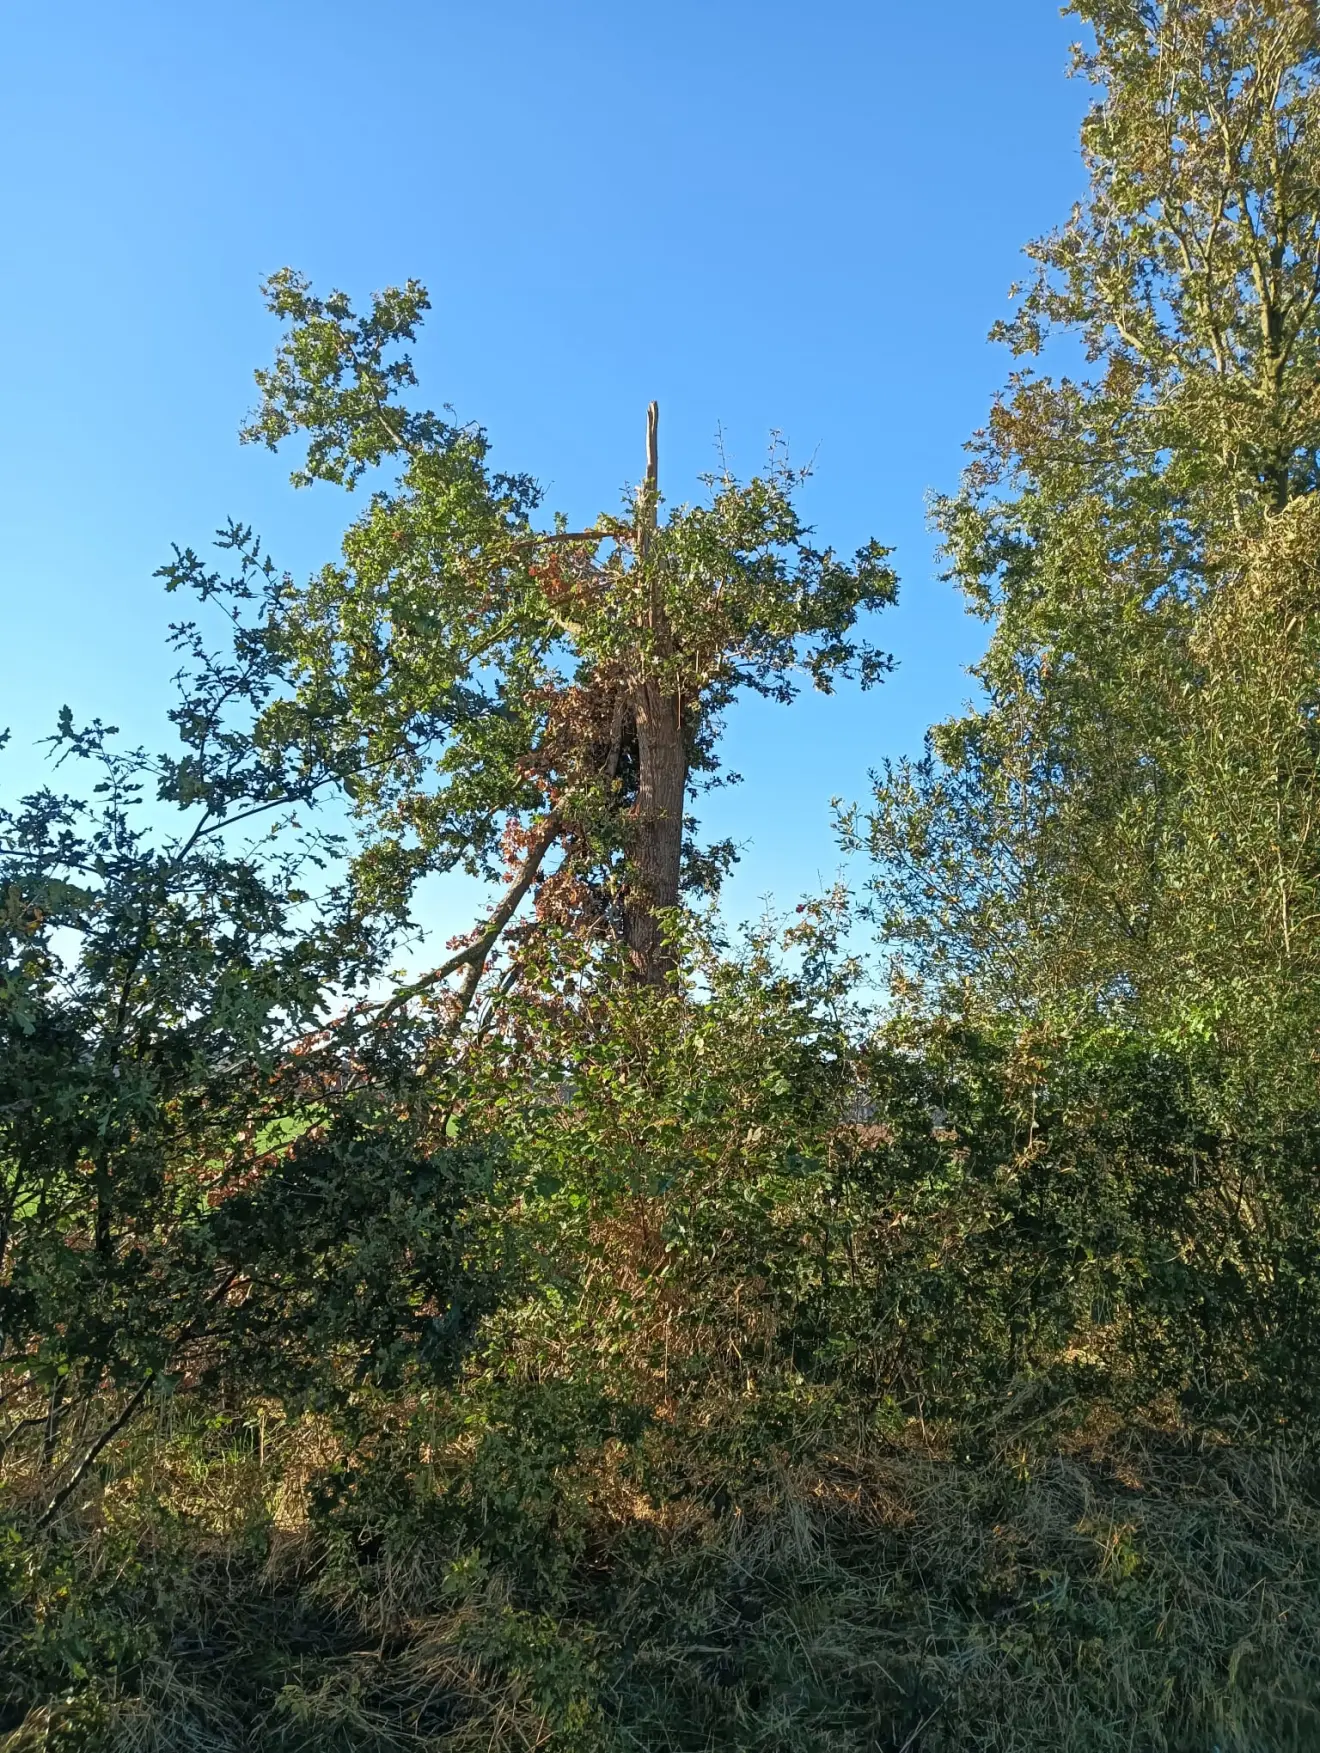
{"points": [[769, 215]]}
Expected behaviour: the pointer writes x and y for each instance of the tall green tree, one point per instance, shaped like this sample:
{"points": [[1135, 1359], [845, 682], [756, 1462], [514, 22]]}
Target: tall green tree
{"points": [[525, 701], [1110, 828]]}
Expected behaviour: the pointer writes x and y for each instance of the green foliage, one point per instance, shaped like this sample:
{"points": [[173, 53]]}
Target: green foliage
{"points": [[202, 1178], [797, 1319], [583, 1362], [474, 671], [742, 1188], [1124, 827]]}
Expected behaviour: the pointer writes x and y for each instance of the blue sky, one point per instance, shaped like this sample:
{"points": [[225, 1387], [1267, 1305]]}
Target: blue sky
{"points": [[768, 216]]}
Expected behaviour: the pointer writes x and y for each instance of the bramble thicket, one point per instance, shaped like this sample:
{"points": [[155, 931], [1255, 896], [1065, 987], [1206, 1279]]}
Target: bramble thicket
{"points": [[631, 1332]]}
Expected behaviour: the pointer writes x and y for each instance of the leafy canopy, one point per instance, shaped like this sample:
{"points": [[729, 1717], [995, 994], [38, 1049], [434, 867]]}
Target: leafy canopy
{"points": [[478, 674], [1126, 824]]}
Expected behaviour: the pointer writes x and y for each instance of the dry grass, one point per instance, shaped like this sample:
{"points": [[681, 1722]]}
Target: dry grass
{"points": [[905, 1600], [1125, 1590]]}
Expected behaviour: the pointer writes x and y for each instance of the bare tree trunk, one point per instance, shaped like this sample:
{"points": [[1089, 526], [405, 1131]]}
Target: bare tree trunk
{"points": [[662, 762], [657, 837]]}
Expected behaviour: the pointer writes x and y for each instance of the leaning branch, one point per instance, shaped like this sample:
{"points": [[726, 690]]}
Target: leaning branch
{"points": [[541, 539], [475, 955]]}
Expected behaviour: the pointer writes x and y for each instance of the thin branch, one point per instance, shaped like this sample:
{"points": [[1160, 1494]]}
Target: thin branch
{"points": [[541, 538], [395, 437], [112, 1430], [80, 1472]]}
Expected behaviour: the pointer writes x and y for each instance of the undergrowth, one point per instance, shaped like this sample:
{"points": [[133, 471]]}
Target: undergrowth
{"points": [[756, 1576], [791, 1396]]}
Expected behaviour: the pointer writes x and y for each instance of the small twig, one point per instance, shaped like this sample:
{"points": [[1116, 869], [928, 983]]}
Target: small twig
{"points": [[925, 1723], [23, 1424], [54, 1419]]}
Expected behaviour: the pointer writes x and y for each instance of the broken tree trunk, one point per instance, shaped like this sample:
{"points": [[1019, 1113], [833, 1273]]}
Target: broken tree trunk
{"points": [[657, 826]]}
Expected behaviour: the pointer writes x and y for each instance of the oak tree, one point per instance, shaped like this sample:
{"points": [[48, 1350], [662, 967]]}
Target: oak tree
{"points": [[526, 701]]}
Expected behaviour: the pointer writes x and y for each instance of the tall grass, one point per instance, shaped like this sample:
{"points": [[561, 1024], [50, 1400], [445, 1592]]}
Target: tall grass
{"points": [[740, 1576]]}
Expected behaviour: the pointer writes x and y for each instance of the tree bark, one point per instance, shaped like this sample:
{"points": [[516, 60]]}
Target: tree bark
{"points": [[662, 762], [657, 826]]}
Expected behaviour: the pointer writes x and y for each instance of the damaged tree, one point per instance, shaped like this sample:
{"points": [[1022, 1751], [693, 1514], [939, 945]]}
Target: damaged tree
{"points": [[662, 757], [523, 702]]}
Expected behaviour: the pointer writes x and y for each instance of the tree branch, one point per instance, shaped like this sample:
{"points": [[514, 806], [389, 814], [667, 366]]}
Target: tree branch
{"points": [[476, 953]]}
